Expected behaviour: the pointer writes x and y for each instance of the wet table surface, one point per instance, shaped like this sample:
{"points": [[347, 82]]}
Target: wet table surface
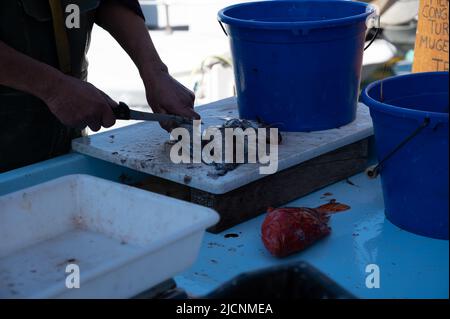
{"points": [[410, 266]]}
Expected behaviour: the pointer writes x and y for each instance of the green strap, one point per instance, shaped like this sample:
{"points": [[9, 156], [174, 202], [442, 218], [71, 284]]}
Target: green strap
{"points": [[61, 39]]}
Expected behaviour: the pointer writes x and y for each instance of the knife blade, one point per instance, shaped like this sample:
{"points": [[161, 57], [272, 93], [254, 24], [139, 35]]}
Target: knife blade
{"points": [[123, 112]]}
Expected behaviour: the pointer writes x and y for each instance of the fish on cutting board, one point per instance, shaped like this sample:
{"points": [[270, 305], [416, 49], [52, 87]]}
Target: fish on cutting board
{"points": [[222, 167], [288, 230]]}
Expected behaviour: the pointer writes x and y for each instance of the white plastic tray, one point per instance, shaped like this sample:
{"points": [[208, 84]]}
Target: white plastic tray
{"points": [[123, 239]]}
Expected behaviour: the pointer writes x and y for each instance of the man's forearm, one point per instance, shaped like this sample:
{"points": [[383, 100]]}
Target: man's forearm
{"points": [[131, 33], [23, 73], [164, 93]]}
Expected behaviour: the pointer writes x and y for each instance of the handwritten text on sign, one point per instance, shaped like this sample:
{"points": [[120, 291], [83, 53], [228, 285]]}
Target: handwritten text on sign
{"points": [[432, 39]]}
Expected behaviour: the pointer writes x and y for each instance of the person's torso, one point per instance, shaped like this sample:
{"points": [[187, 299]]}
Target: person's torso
{"points": [[30, 132], [26, 26]]}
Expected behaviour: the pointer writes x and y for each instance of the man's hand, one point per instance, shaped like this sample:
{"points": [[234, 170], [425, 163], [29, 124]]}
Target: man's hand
{"points": [[167, 95], [79, 104], [164, 93]]}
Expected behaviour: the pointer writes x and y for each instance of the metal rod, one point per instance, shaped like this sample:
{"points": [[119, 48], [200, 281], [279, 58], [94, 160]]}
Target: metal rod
{"points": [[373, 171], [168, 26]]}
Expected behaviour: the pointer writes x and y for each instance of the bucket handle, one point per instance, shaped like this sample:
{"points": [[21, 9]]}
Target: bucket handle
{"points": [[223, 28], [373, 21], [365, 48], [374, 170]]}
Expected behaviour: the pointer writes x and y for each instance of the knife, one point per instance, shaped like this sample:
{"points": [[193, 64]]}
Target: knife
{"points": [[123, 112]]}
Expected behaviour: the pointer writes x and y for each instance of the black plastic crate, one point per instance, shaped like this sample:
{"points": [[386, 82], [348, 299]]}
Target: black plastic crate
{"points": [[291, 281]]}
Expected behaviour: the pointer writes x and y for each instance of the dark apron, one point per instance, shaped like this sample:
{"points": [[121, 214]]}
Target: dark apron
{"points": [[29, 132]]}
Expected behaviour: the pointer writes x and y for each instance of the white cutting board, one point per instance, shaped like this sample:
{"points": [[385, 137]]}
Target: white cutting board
{"points": [[142, 147]]}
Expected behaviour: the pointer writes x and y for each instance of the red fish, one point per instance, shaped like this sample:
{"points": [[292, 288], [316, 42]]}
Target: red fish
{"points": [[288, 230]]}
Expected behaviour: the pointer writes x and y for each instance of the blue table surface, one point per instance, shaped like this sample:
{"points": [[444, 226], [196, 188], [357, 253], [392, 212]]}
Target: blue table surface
{"points": [[410, 266]]}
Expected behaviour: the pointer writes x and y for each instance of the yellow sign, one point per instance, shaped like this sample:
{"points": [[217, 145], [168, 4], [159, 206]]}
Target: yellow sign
{"points": [[432, 46]]}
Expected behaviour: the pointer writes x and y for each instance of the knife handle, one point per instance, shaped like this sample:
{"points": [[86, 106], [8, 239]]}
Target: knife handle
{"points": [[122, 111]]}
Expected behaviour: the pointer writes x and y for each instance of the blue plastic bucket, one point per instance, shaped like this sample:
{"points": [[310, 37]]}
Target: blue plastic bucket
{"points": [[297, 64], [415, 178]]}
